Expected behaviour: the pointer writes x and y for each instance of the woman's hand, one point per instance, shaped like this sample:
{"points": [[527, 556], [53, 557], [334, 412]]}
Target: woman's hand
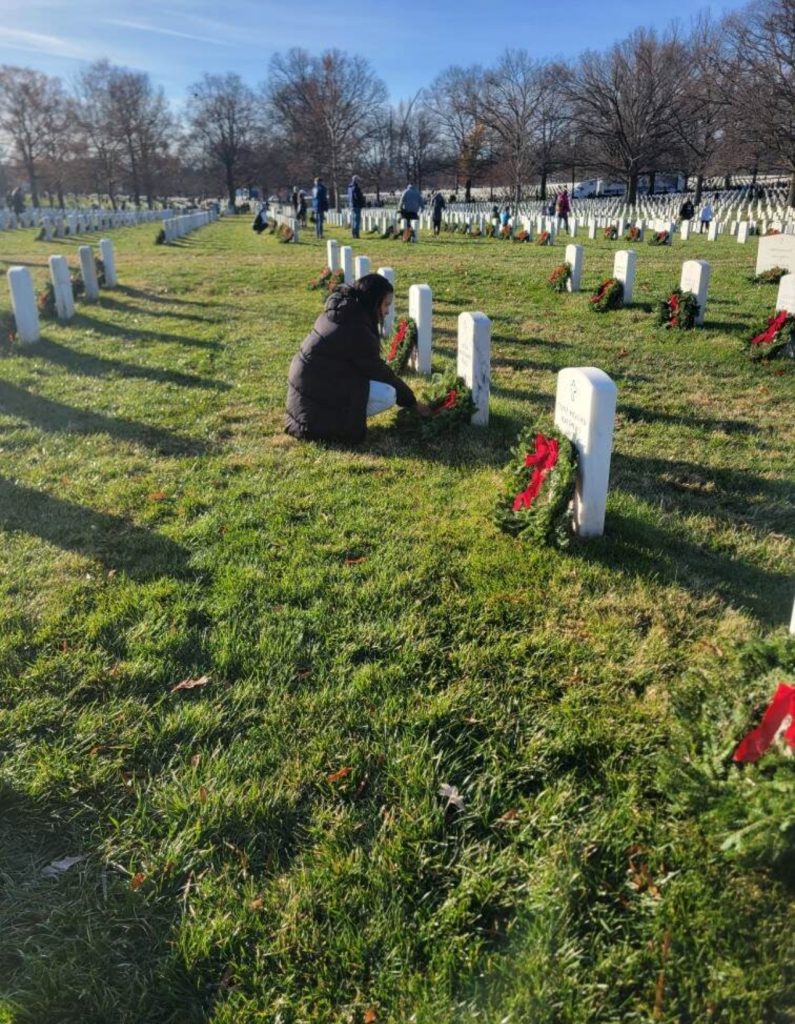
{"points": [[424, 410]]}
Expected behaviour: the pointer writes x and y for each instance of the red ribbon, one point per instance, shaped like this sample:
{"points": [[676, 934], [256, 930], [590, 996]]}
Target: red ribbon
{"points": [[602, 291], [774, 325], [542, 461], [448, 403], [397, 341], [673, 305], [756, 742]]}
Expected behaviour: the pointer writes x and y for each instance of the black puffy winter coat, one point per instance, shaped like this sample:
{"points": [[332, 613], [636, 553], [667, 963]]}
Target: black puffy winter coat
{"points": [[329, 379]]}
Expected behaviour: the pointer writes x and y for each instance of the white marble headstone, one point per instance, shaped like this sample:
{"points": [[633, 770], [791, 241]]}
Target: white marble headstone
{"points": [[684, 230], [786, 294], [776, 251], [62, 286], [333, 254], [474, 361], [389, 319], [742, 232], [346, 261], [421, 311], [88, 271], [695, 278], [23, 304], [576, 260], [361, 266], [585, 409], [109, 262], [624, 271]]}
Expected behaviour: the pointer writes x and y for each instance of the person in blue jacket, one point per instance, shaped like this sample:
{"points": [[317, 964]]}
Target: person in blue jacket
{"points": [[319, 205], [356, 200]]}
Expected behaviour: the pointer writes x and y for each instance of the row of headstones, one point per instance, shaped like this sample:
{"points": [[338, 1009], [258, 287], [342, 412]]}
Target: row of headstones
{"points": [[59, 223], [178, 227], [23, 296]]}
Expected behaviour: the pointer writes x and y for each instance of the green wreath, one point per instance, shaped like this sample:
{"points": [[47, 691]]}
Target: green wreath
{"points": [[535, 502], [321, 281], [559, 278], [611, 232], [45, 301], [451, 405], [777, 338], [403, 341], [609, 295], [660, 238], [679, 310], [771, 276]]}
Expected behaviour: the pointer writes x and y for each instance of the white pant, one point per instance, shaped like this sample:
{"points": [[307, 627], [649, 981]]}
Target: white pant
{"points": [[381, 398]]}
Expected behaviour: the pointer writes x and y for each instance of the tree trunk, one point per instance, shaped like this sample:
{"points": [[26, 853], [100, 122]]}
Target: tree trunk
{"points": [[699, 189], [543, 188], [685, 180], [652, 182], [134, 172], [61, 201], [727, 181], [230, 185], [754, 173], [791, 191], [632, 193]]}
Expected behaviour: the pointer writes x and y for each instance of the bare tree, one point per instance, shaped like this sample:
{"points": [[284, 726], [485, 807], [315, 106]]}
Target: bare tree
{"points": [[330, 106], [452, 102], [623, 102], [32, 115], [223, 116], [142, 123], [100, 139], [763, 79], [507, 105]]}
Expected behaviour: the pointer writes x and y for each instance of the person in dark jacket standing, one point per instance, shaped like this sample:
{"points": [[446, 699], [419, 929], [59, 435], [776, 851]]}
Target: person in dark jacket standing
{"points": [[319, 205], [437, 207], [356, 200], [686, 210], [338, 378]]}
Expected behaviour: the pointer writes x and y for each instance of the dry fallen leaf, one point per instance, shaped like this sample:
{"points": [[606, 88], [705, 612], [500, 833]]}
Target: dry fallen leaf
{"points": [[370, 1016], [508, 817], [57, 867], [202, 794], [256, 904], [343, 773], [137, 881], [191, 684], [157, 496], [454, 798], [355, 561], [195, 760]]}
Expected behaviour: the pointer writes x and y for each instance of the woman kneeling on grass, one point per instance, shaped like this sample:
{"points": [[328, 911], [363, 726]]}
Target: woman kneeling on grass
{"points": [[338, 378]]}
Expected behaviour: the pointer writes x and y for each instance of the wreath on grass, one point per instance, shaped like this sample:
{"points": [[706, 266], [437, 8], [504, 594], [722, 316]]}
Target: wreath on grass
{"points": [[522, 236], [771, 276], [286, 234], [611, 232], [490, 231], [609, 295], [8, 333], [42, 234], [403, 341], [772, 231], [633, 234], [679, 310], [160, 237], [408, 234], [559, 278], [100, 268], [544, 238], [660, 238], [321, 281], [505, 231], [535, 503], [476, 232], [777, 339], [78, 284], [45, 301], [451, 405]]}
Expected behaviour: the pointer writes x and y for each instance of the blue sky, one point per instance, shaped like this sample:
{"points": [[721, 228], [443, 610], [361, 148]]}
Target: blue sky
{"points": [[407, 42]]}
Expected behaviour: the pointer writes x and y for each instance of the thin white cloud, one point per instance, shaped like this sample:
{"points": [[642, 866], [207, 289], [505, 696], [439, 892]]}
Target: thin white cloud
{"points": [[38, 42], [144, 26]]}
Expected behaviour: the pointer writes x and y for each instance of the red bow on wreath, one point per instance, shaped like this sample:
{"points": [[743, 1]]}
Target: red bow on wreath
{"points": [[778, 718], [673, 305], [398, 340], [542, 461], [774, 325], [448, 403]]}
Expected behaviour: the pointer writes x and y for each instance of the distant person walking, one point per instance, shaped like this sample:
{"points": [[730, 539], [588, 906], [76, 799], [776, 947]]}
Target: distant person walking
{"points": [[563, 209], [437, 208], [356, 201], [686, 210], [411, 202], [18, 200], [705, 216], [319, 205], [301, 210]]}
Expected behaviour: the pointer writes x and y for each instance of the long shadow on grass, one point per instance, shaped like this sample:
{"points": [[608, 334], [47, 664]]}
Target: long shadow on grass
{"points": [[471, 447], [56, 417], [636, 413], [125, 331], [74, 946], [99, 366], [641, 548], [168, 299], [126, 307], [118, 544]]}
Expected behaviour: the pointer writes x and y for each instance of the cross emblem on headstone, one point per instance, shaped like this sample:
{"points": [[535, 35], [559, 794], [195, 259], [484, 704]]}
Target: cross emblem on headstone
{"points": [[573, 392]]}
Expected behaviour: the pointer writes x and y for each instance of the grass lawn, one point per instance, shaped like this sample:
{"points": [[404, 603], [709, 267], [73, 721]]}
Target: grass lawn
{"points": [[271, 846]]}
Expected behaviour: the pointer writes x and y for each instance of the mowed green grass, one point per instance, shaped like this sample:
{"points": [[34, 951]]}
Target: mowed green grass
{"points": [[272, 846]]}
